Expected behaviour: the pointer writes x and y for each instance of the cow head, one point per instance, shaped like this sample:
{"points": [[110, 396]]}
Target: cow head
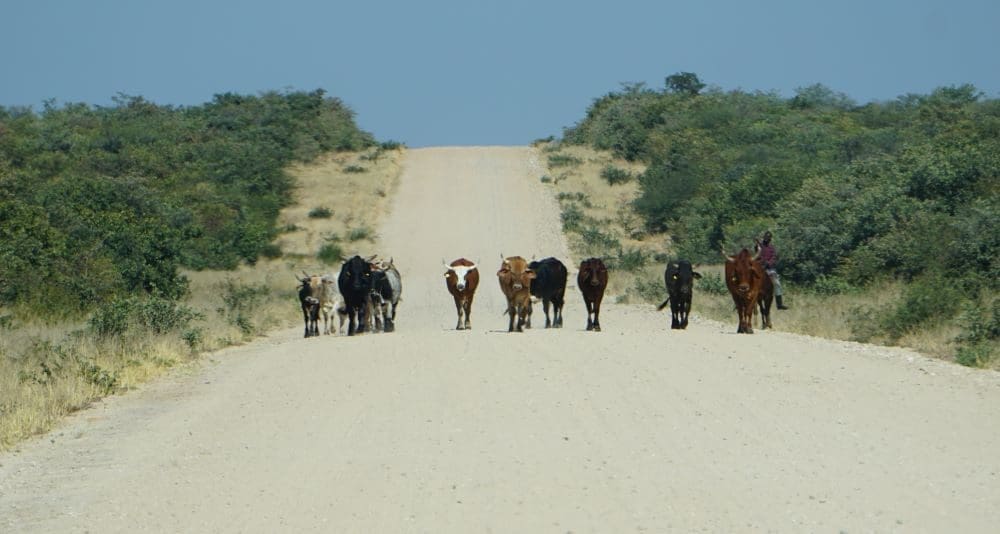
{"points": [[355, 275], [515, 272], [680, 276], [743, 273], [459, 271], [593, 273], [309, 291]]}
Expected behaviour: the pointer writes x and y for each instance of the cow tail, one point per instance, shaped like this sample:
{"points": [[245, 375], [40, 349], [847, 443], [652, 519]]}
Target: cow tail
{"points": [[664, 305]]}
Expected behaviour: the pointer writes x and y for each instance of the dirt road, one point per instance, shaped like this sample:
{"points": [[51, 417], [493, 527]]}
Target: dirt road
{"points": [[428, 429]]}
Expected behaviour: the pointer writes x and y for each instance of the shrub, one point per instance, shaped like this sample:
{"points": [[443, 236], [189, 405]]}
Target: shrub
{"points": [[927, 298], [359, 233], [616, 175], [831, 285], [572, 217], [564, 160], [712, 284], [355, 169], [330, 254], [978, 344], [240, 300], [157, 315], [319, 213], [631, 260]]}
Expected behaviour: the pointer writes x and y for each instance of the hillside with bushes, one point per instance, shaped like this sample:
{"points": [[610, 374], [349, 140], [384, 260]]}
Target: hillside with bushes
{"points": [[103, 203], [856, 194]]}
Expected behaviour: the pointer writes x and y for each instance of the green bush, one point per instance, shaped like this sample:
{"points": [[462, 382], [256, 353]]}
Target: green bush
{"points": [[360, 233], [320, 213], [563, 160], [153, 314], [330, 254], [712, 284], [979, 343], [616, 175], [630, 260]]}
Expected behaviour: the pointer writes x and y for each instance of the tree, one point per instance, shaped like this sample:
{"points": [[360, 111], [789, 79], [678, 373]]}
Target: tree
{"points": [[685, 83]]}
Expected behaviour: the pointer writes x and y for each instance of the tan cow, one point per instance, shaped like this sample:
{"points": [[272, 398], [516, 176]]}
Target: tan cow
{"points": [[515, 282]]}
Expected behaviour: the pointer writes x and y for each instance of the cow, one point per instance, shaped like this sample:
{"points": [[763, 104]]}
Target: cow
{"points": [[462, 279], [592, 281], [679, 278], [515, 281], [380, 298], [329, 303], [395, 283], [549, 285], [744, 277], [310, 292], [355, 283]]}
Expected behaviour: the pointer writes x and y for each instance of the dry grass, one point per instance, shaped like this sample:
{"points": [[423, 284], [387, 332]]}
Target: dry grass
{"points": [[50, 370], [573, 174]]}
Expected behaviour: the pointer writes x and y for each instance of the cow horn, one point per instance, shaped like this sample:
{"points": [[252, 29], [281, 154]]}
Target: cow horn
{"points": [[446, 266], [730, 259], [755, 255]]}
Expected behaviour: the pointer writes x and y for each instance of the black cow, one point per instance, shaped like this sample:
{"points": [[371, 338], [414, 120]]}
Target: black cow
{"points": [[355, 283], [550, 286], [679, 278]]}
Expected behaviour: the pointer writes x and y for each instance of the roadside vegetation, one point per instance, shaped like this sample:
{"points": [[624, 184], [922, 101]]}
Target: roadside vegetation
{"points": [[884, 214], [136, 237]]}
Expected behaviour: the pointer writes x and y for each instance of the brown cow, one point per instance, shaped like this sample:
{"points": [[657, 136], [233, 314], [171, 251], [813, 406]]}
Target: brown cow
{"points": [[462, 279], [592, 280], [764, 300], [745, 277], [515, 282]]}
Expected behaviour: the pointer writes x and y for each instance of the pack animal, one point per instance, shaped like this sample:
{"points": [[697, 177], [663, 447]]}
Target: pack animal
{"points": [[745, 278], [592, 281], [355, 283], [462, 279], [549, 285], [310, 291], [679, 278], [515, 281]]}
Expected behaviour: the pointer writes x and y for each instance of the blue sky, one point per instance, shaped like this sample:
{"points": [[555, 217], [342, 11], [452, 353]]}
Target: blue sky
{"points": [[451, 72]]}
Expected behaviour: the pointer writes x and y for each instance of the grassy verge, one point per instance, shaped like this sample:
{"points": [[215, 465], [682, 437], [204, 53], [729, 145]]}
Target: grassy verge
{"points": [[595, 191], [51, 369]]}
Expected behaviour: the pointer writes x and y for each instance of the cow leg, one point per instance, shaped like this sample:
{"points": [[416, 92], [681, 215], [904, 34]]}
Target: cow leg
{"points": [[557, 306], [545, 308], [511, 312], [459, 310], [468, 314], [597, 315]]}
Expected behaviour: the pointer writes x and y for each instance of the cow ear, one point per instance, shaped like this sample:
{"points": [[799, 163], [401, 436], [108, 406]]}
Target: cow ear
{"points": [[696, 274]]}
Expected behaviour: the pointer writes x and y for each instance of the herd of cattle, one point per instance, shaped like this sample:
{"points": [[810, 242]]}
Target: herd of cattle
{"points": [[368, 291]]}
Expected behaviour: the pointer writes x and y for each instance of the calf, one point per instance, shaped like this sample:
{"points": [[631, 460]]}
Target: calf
{"points": [[310, 290], [592, 281], [462, 278], [330, 302], [395, 283], [515, 282], [355, 282], [550, 286], [679, 278], [380, 298], [744, 279]]}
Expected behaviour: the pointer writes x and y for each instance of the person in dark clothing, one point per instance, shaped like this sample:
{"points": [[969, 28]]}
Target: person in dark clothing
{"points": [[769, 258]]}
